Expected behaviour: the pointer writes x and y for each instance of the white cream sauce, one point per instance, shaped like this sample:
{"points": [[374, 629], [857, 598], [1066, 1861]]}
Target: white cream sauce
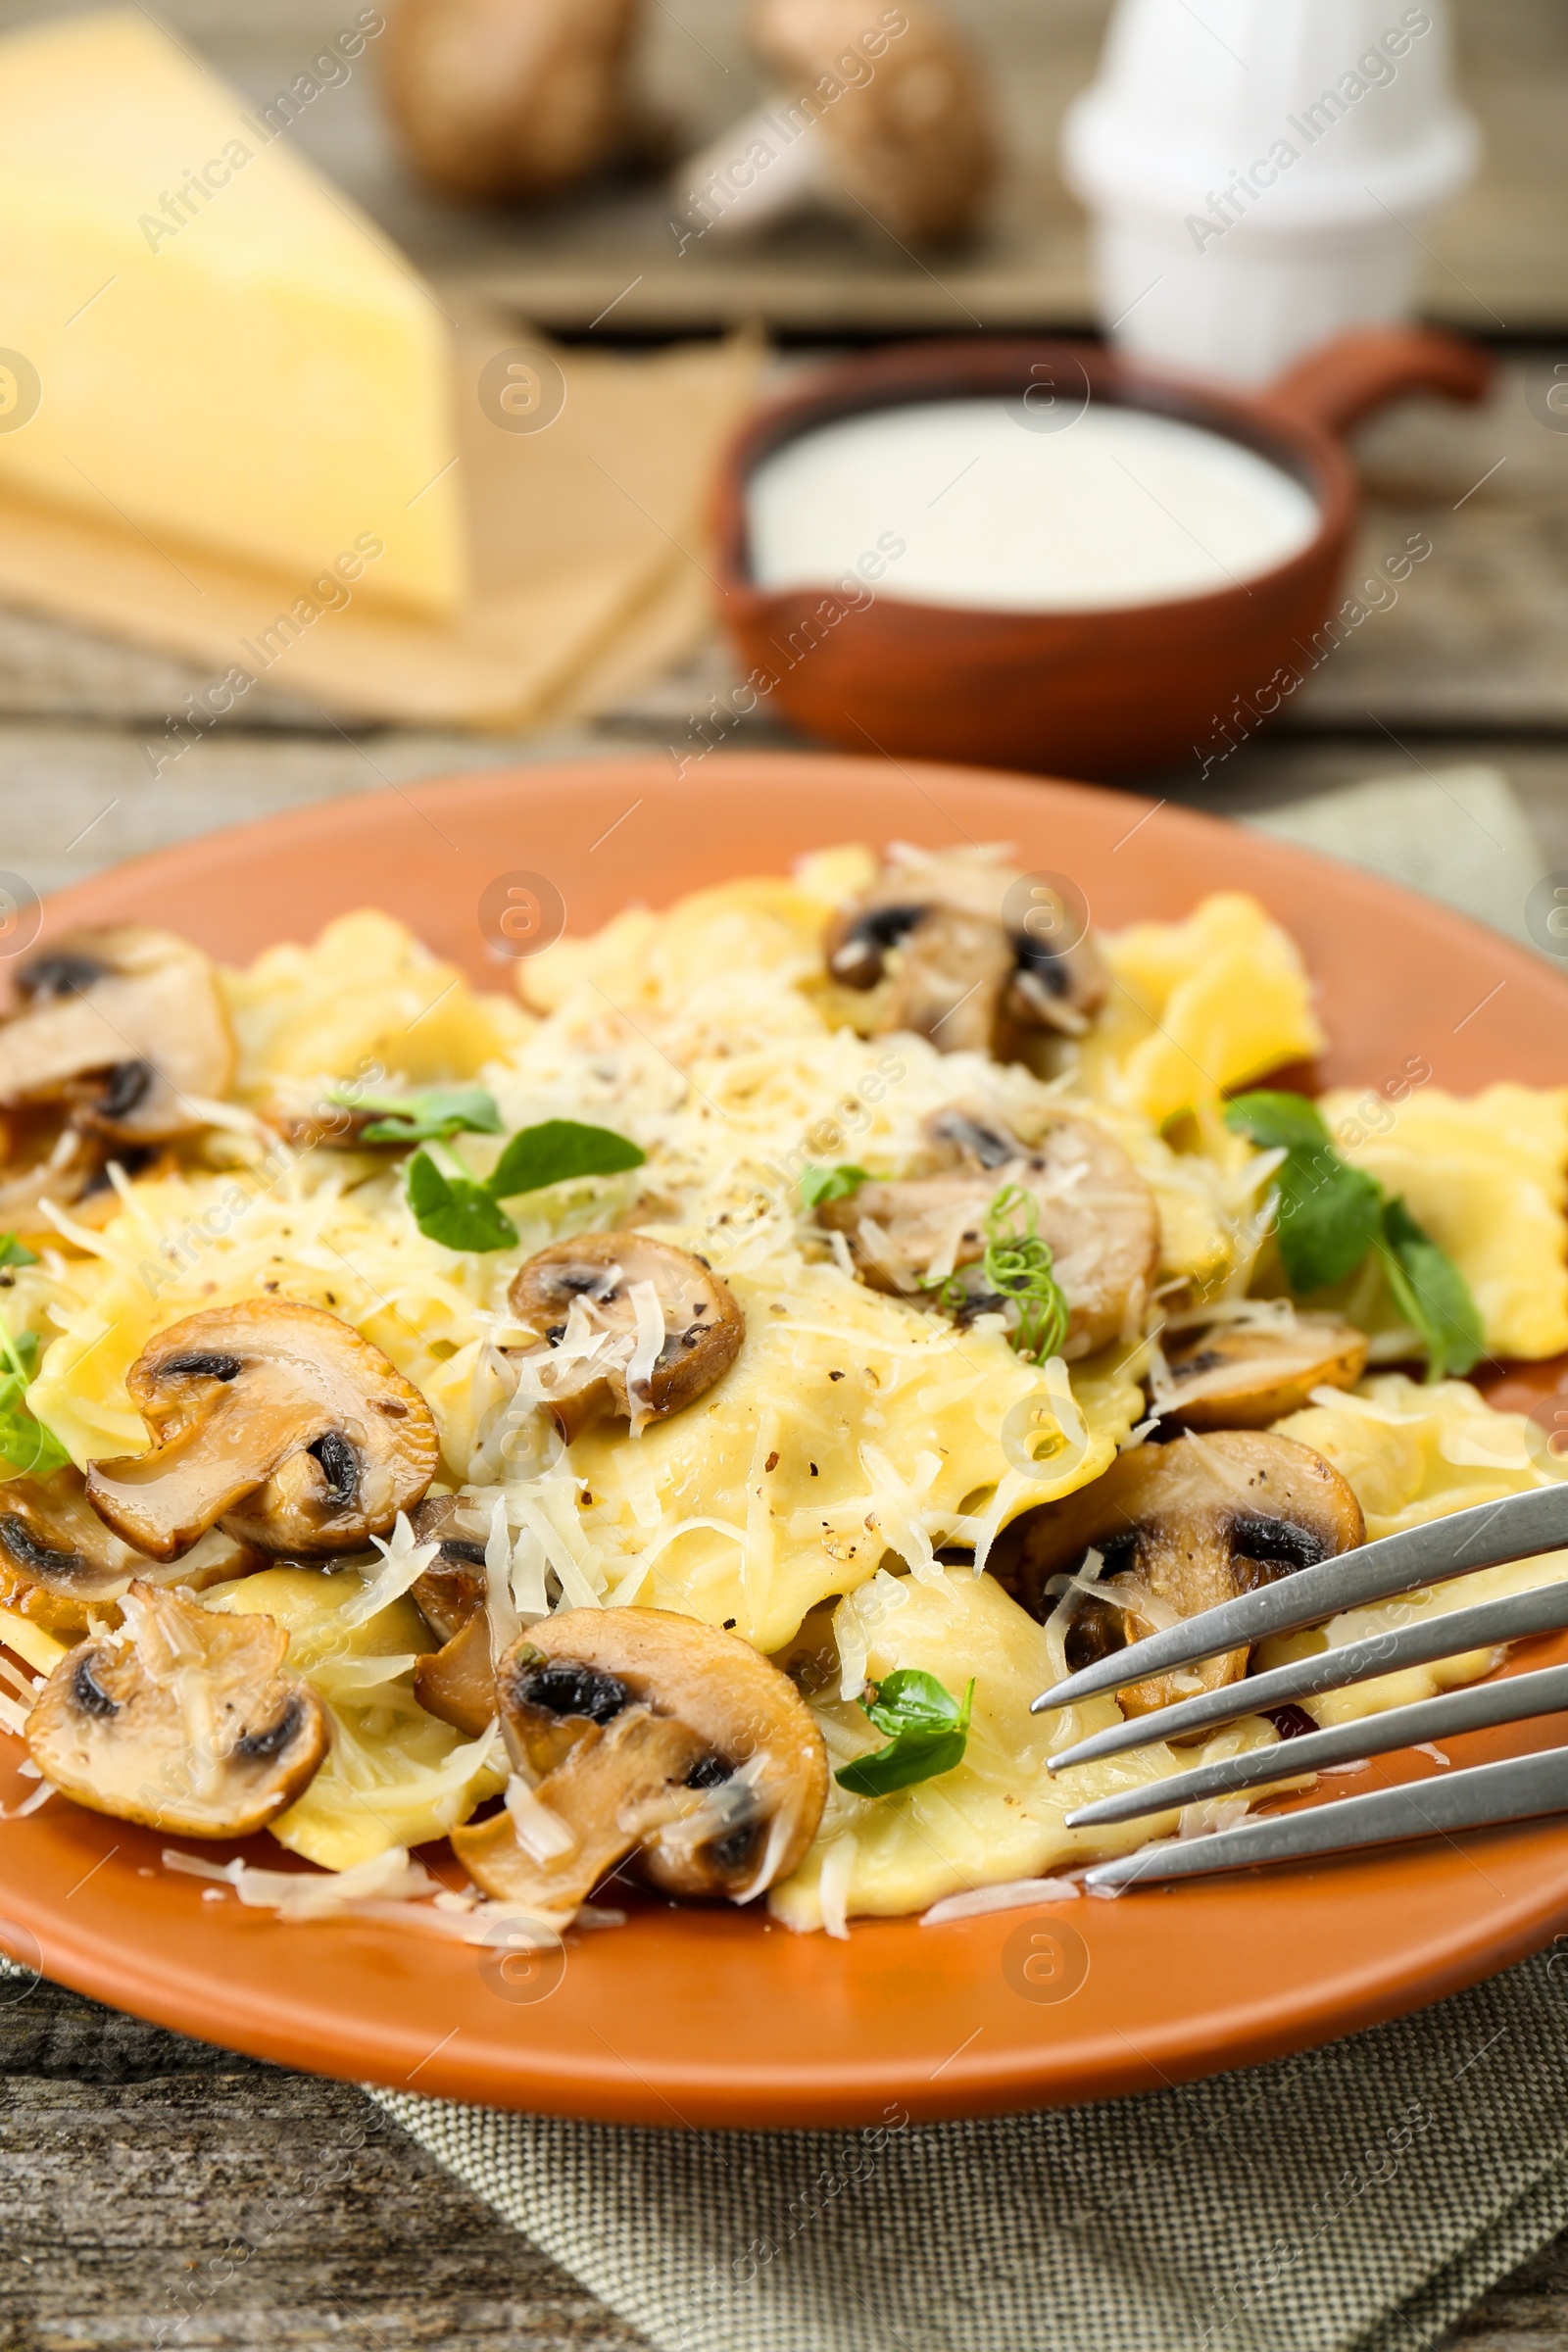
{"points": [[1117, 507]]}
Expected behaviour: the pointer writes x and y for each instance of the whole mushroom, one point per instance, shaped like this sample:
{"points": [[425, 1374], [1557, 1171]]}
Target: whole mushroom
{"points": [[878, 114], [123, 1029], [1094, 1211], [630, 1324], [276, 1420], [509, 98], [181, 1718], [977, 956], [651, 1735], [1179, 1528]]}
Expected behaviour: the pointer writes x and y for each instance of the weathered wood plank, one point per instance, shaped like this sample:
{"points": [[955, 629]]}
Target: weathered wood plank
{"points": [[160, 2192]]}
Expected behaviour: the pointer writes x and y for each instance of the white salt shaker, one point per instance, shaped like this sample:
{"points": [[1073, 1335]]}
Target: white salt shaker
{"points": [[1258, 172]]}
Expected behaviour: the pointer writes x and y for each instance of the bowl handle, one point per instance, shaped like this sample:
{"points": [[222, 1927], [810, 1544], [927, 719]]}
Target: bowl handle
{"points": [[1335, 386]]}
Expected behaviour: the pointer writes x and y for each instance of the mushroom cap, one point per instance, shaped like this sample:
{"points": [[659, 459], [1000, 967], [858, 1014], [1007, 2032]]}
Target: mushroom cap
{"points": [[508, 97], [1189, 1524], [182, 1719], [59, 1564], [278, 1420], [913, 140], [759, 1763], [581, 1296], [125, 1025], [1245, 1375], [1096, 1214], [984, 953]]}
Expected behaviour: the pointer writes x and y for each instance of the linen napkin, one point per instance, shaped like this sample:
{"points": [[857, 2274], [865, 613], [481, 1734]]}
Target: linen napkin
{"points": [[1356, 2198]]}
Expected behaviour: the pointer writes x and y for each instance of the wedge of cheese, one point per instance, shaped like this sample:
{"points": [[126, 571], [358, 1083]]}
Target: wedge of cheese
{"points": [[217, 350]]}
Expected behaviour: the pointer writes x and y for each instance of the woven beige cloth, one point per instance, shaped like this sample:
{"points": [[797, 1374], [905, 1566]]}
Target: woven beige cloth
{"points": [[1357, 2198]]}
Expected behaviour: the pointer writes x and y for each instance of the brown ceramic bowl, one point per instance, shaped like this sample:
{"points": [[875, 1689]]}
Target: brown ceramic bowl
{"points": [[702, 2016], [1103, 693]]}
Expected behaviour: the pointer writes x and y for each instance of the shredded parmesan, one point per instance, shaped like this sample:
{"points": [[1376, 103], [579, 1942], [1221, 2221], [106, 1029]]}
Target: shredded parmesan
{"points": [[1012, 1894]]}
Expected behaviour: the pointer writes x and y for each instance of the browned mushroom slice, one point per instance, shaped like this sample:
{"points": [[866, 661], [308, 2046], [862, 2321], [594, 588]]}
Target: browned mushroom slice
{"points": [[759, 1771], [182, 1719], [632, 1326], [457, 1682], [453, 1587], [276, 1419], [59, 1564], [1095, 1213], [617, 1787], [1245, 1375], [1180, 1528], [1006, 938], [655, 1736], [126, 1027], [951, 979]]}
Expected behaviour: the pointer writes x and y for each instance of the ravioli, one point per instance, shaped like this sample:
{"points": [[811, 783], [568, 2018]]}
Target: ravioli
{"points": [[1000, 1814], [1413, 1455], [1486, 1175], [1198, 1008]]}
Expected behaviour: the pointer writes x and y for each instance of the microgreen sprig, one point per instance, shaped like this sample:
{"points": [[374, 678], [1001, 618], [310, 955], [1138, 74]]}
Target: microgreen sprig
{"points": [[1017, 1265]]}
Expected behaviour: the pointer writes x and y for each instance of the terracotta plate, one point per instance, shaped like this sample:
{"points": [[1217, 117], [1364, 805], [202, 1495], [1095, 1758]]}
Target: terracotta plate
{"points": [[707, 2018]]}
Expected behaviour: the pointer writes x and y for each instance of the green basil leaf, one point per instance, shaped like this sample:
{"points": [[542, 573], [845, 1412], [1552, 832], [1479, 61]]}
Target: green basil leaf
{"points": [[558, 1150], [433, 1115], [928, 1727], [1432, 1294], [16, 1253], [27, 1445], [1275, 1119], [831, 1184], [25, 1442], [1329, 1213], [1329, 1217], [455, 1210]]}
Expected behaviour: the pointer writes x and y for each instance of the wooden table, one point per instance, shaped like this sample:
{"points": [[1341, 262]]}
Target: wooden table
{"points": [[134, 2158]]}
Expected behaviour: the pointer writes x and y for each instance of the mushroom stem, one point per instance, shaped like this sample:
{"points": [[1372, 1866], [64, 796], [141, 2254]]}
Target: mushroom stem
{"points": [[786, 166]]}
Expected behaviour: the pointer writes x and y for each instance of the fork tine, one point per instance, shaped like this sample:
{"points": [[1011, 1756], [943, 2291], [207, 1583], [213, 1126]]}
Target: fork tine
{"points": [[1541, 1610], [1519, 1788], [1484, 1537], [1471, 1710]]}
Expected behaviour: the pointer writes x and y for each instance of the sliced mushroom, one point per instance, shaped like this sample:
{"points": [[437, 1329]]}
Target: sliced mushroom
{"points": [[457, 1682], [632, 1326], [182, 1719], [125, 1028], [1095, 1213], [448, 1591], [550, 1848], [983, 954], [1245, 1375], [278, 1420], [59, 1564], [746, 1780], [1180, 1528]]}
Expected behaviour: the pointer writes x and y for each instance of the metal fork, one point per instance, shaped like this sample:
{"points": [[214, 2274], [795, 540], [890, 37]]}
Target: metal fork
{"points": [[1518, 1789]]}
